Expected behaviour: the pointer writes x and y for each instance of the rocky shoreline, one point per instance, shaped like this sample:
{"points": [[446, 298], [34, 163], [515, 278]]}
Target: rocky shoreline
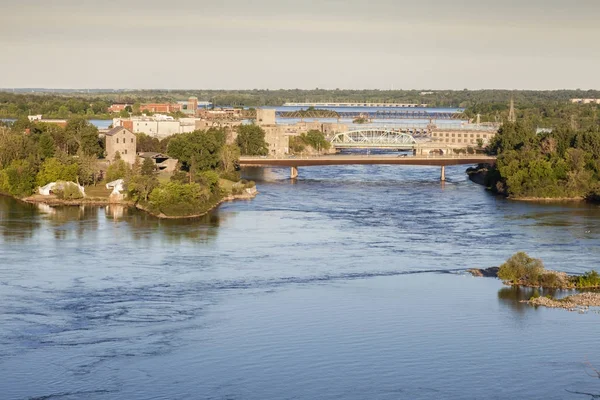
{"points": [[580, 302]]}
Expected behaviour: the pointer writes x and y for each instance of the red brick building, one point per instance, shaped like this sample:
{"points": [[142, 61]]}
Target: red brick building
{"points": [[118, 107]]}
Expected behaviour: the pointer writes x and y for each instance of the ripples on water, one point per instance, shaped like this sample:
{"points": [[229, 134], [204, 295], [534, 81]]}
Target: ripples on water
{"points": [[327, 287]]}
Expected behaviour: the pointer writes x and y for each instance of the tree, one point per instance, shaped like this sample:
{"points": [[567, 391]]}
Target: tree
{"points": [[118, 169], [199, 150], [46, 146], [89, 171], [18, 178], [230, 157], [251, 140], [53, 170], [148, 167], [83, 136]]}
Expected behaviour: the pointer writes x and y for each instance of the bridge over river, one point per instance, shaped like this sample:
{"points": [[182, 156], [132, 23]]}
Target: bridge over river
{"points": [[362, 159]]}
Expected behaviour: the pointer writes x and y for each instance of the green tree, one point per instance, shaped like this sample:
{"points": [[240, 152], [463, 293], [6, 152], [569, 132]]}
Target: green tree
{"points": [[46, 146], [118, 169], [83, 136], [18, 178], [199, 150], [230, 157], [251, 140], [53, 170], [148, 167]]}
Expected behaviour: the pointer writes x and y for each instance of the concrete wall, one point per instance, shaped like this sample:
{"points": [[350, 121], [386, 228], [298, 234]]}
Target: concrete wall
{"points": [[125, 143]]}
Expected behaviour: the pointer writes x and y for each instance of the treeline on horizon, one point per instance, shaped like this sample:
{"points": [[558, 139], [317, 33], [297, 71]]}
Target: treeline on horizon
{"points": [[545, 109]]}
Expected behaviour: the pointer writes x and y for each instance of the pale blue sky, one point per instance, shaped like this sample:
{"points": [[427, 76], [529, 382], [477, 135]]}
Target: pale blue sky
{"points": [[439, 44]]}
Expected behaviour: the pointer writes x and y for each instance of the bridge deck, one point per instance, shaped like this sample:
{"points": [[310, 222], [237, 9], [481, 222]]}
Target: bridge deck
{"points": [[366, 160]]}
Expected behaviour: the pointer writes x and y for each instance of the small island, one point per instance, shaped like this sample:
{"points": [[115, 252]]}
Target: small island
{"points": [[181, 176], [523, 270]]}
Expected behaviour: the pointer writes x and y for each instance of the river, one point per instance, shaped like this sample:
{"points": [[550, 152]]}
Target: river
{"points": [[346, 284]]}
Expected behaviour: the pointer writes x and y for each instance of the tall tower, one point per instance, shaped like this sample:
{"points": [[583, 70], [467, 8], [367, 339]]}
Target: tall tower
{"points": [[512, 117]]}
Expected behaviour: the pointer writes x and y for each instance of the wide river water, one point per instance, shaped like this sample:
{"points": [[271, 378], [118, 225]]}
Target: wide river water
{"points": [[346, 284]]}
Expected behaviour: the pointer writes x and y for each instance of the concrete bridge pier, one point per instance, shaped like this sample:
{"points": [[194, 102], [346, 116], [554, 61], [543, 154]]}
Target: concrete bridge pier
{"points": [[443, 173], [293, 172]]}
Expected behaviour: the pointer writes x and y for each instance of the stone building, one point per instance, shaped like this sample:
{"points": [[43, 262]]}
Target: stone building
{"points": [[121, 140], [278, 140], [464, 138]]}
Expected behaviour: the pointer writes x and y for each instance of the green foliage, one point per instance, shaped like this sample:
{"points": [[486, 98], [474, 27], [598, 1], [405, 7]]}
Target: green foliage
{"points": [[251, 140], [82, 137], [520, 268], [67, 191], [145, 143], [148, 168], [297, 145], [139, 187], [209, 179], [562, 164], [180, 176], [313, 139], [230, 158], [118, 169], [232, 176], [590, 279], [46, 146], [180, 199], [199, 150], [18, 178], [53, 170]]}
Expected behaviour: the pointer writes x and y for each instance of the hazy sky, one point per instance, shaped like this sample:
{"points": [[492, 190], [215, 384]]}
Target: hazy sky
{"points": [[419, 44]]}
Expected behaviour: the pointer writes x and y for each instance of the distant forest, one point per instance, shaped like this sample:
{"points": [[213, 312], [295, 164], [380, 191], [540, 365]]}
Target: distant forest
{"points": [[540, 108]]}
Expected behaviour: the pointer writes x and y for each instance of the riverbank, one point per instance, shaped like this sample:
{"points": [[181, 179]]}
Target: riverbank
{"points": [[52, 200]]}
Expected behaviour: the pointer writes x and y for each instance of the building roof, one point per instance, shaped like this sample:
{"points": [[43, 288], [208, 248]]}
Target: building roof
{"points": [[115, 130]]}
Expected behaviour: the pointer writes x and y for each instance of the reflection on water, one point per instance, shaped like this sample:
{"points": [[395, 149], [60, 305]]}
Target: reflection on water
{"points": [[513, 296]]}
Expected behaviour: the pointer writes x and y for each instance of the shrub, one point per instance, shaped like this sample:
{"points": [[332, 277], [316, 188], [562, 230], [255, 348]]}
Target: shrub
{"points": [[209, 179], [67, 191], [18, 179], [233, 176], [179, 199], [589, 279], [520, 268], [180, 176], [52, 170], [117, 170]]}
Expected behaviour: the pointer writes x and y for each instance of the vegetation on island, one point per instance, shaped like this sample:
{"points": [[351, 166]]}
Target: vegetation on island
{"points": [[310, 142], [563, 163], [523, 270], [33, 154]]}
